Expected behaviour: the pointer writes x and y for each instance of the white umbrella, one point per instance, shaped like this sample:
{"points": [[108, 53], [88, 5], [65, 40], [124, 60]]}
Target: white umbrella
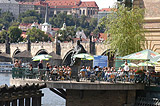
{"points": [[41, 57], [84, 56], [130, 65]]}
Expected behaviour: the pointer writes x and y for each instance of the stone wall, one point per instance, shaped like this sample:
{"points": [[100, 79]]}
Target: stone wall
{"points": [[100, 98], [63, 48], [2, 47], [17, 46], [36, 47]]}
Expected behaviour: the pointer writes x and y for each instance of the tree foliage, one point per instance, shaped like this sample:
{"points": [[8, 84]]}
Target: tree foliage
{"points": [[15, 34], [88, 25], [5, 19], [30, 16], [66, 35], [3, 35], [126, 31], [58, 20], [37, 35]]}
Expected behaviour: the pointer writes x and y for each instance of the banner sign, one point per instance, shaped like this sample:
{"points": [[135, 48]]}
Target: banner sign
{"points": [[100, 61]]}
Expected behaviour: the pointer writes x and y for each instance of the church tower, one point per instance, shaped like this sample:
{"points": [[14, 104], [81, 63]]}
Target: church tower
{"points": [[45, 26]]}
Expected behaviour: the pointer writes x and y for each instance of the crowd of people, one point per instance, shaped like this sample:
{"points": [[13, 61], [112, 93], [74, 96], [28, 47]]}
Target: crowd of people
{"points": [[64, 72], [107, 73]]}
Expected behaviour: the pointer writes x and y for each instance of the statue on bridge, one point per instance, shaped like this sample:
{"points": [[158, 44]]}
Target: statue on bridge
{"points": [[78, 49]]}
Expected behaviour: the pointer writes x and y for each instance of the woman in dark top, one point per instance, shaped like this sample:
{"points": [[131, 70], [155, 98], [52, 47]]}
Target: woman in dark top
{"points": [[47, 70]]}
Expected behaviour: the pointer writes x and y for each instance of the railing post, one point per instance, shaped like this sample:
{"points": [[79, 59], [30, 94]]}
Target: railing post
{"points": [[34, 101], [27, 101], [14, 102], [21, 102]]}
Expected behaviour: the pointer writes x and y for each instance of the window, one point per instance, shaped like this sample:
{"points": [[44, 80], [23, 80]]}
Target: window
{"points": [[83, 12], [88, 12]]}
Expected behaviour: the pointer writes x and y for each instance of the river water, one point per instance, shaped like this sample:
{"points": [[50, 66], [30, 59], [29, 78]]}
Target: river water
{"points": [[49, 98]]}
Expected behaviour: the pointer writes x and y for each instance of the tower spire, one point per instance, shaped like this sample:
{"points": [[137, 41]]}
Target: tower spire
{"points": [[46, 14]]}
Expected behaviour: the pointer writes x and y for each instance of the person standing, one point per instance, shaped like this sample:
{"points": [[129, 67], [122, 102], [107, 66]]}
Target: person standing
{"points": [[40, 69], [126, 70], [47, 70], [126, 67]]}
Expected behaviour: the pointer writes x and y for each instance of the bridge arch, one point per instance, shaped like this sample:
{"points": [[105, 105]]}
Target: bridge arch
{"points": [[110, 57], [67, 58], [16, 52], [41, 51]]}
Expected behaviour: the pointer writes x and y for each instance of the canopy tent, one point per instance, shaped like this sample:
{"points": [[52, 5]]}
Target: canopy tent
{"points": [[130, 65], [145, 64], [147, 55], [41, 57], [84, 56]]}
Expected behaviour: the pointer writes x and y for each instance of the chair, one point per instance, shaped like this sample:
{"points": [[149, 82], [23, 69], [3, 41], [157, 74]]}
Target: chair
{"points": [[131, 78], [112, 78], [60, 74], [83, 75]]}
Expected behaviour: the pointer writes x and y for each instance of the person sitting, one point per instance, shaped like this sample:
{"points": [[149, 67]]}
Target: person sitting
{"points": [[30, 68], [54, 73], [16, 64], [83, 72], [19, 64]]}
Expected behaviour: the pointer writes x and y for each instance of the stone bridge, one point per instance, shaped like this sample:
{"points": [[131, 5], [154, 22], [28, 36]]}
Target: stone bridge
{"points": [[58, 48]]}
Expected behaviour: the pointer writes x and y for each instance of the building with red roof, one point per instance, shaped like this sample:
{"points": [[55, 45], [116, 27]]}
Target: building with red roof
{"points": [[75, 7], [104, 12], [39, 6]]}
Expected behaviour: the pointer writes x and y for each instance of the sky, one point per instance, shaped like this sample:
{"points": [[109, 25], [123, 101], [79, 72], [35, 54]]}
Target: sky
{"points": [[103, 3]]}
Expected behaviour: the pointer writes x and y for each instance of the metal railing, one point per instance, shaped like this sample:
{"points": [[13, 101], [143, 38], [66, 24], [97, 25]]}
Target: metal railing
{"points": [[43, 74]]}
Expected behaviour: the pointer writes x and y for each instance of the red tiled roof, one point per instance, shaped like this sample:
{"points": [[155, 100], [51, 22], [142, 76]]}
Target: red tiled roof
{"points": [[40, 3], [88, 4], [61, 6], [58, 3], [103, 36], [63, 3], [23, 35], [106, 9], [49, 35], [55, 29]]}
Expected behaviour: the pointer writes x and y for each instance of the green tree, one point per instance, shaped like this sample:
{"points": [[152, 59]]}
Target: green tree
{"points": [[126, 30], [29, 19], [6, 18], [83, 22], [37, 35], [59, 19], [30, 16], [93, 24], [15, 34], [66, 35], [3, 35], [15, 23]]}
